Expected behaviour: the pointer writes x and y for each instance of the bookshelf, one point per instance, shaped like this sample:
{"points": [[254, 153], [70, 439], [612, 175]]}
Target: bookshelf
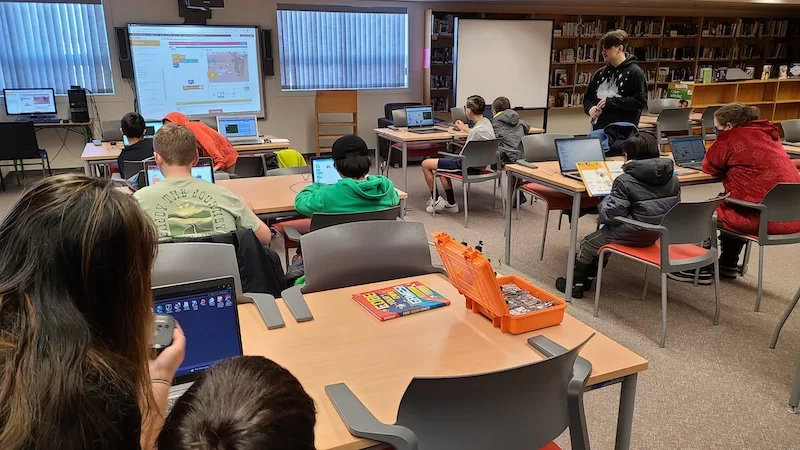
{"points": [[777, 100], [670, 49]]}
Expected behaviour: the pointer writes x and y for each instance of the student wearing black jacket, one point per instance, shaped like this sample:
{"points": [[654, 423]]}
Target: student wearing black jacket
{"points": [[617, 92], [133, 127]]}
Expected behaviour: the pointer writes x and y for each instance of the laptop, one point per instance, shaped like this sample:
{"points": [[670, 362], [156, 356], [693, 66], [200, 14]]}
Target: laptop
{"points": [[151, 128], [203, 170], [323, 170], [420, 120], [571, 151], [688, 152], [207, 313], [240, 130]]}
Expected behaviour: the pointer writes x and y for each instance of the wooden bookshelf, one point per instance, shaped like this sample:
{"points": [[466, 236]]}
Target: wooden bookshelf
{"points": [[776, 99]]}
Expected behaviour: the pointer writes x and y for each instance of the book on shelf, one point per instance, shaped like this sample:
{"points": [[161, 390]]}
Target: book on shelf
{"points": [[570, 29], [442, 82], [720, 53], [443, 25], [565, 100], [779, 51], [720, 73], [712, 29], [595, 28], [663, 73], [678, 53], [588, 53], [643, 28], [598, 176], [583, 78], [442, 56], [560, 77], [681, 29], [440, 104], [766, 71], [747, 51], [644, 53], [400, 300], [566, 55], [684, 94], [656, 93], [706, 74]]}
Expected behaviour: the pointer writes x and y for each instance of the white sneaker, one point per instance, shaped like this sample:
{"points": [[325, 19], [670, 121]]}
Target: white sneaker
{"points": [[442, 205]]}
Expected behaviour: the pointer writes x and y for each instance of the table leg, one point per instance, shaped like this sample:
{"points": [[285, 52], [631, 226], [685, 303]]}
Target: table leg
{"points": [[87, 134], [573, 244], [510, 182], [87, 168], [403, 209], [627, 399], [378, 158], [405, 168]]}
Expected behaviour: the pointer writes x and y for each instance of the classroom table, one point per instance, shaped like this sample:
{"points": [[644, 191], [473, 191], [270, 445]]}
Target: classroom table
{"points": [[98, 155], [377, 360], [403, 137], [792, 149], [270, 195], [650, 121], [548, 174]]}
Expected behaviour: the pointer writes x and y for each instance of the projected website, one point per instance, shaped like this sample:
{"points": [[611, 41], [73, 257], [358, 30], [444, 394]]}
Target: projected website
{"points": [[195, 70]]}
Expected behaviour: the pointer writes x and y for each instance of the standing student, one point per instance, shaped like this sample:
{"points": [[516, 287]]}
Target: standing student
{"points": [[209, 142], [133, 127], [76, 319], [508, 127], [482, 131], [617, 92]]}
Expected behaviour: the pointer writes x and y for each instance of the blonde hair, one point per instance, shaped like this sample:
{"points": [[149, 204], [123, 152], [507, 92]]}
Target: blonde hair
{"points": [[736, 114], [176, 145]]}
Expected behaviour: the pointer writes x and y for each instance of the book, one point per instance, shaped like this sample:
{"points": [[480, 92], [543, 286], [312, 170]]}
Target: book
{"points": [[400, 300], [599, 176]]}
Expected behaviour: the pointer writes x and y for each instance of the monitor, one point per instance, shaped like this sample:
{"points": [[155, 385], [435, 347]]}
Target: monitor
{"points": [[575, 150], [206, 311], [323, 171], [152, 127], [419, 116], [198, 70], [238, 126], [203, 170], [30, 102], [688, 149]]}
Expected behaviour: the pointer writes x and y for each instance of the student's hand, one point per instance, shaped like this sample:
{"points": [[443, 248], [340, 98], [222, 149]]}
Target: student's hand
{"points": [[594, 112], [462, 126], [218, 167], [601, 104], [164, 366]]}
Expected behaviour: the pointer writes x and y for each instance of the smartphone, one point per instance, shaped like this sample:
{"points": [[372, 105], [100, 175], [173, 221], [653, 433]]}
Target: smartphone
{"points": [[162, 331]]}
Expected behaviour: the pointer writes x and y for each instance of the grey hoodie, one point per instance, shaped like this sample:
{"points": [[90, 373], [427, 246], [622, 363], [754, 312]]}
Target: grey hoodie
{"points": [[509, 128]]}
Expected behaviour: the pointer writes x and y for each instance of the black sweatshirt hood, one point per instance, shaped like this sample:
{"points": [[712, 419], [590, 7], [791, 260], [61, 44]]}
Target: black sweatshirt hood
{"points": [[653, 171], [628, 61]]}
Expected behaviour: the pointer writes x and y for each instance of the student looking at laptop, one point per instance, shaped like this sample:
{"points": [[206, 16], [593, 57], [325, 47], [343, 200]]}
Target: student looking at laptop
{"points": [[138, 148], [184, 206], [209, 142], [75, 309]]}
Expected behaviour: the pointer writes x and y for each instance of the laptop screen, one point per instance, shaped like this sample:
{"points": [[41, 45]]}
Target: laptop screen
{"points": [[323, 171], [152, 128], [573, 151], [419, 116], [207, 313], [685, 150], [203, 170], [238, 127]]}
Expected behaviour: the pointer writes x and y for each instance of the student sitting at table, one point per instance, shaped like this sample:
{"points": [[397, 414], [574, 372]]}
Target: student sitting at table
{"points": [[184, 206], [240, 404], [508, 127], [209, 142], [482, 131], [646, 190], [133, 127], [749, 158]]}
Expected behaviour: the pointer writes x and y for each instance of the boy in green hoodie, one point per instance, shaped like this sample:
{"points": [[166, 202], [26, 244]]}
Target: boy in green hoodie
{"points": [[356, 191]]}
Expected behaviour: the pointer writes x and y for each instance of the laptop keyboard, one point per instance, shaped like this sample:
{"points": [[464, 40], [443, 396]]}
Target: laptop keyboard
{"points": [[428, 131], [695, 166]]}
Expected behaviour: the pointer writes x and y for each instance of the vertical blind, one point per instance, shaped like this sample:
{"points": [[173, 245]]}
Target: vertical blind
{"points": [[48, 44], [355, 48]]}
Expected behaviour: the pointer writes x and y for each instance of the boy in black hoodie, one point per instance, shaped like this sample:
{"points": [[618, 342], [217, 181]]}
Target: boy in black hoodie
{"points": [[646, 190], [617, 92]]}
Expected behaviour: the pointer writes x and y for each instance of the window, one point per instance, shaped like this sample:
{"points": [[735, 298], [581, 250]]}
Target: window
{"points": [[54, 45], [342, 48]]}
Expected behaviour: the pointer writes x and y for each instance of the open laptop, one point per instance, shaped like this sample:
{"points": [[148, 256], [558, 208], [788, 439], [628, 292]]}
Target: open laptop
{"points": [[688, 152], [240, 130], [323, 170], [571, 151], [206, 311], [420, 120], [203, 170], [151, 128]]}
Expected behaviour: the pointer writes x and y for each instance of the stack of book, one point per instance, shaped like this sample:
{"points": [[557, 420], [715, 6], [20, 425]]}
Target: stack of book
{"points": [[719, 29], [678, 53], [748, 51], [443, 25], [440, 104], [681, 29], [442, 56], [442, 82], [645, 53], [595, 28], [588, 53], [582, 78], [643, 28], [570, 29], [566, 55], [715, 53]]}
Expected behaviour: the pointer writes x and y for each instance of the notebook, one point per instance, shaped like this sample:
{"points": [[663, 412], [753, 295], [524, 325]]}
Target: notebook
{"points": [[400, 300]]}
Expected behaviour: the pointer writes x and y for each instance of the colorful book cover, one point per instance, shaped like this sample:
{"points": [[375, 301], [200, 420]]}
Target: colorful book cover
{"points": [[598, 176], [401, 300]]}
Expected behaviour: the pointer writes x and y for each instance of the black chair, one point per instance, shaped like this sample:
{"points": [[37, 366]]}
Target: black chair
{"points": [[250, 166], [18, 143], [386, 120]]}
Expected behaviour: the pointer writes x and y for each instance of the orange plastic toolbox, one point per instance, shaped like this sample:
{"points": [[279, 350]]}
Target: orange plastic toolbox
{"points": [[472, 274]]}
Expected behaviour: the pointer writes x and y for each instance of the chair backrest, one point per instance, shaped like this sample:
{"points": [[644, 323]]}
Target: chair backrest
{"points": [[481, 153], [655, 105], [289, 171], [690, 223], [183, 262], [249, 166], [542, 147], [675, 119], [221, 175], [111, 130], [458, 113], [18, 141], [389, 107], [791, 130], [399, 117], [324, 220], [781, 202], [523, 407], [365, 252], [707, 123]]}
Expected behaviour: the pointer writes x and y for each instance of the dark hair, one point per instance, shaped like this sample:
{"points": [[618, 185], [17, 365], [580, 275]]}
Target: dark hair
{"points": [[177, 145], [501, 104], [354, 166], [75, 310], [133, 125], [614, 38], [476, 104], [641, 146], [736, 114], [245, 403]]}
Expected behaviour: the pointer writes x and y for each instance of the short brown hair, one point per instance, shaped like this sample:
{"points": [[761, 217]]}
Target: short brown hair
{"points": [[501, 104], [245, 403], [176, 145], [614, 38], [736, 114]]}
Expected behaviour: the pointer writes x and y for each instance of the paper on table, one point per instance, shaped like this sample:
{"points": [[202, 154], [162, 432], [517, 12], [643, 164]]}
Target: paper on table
{"points": [[598, 176]]}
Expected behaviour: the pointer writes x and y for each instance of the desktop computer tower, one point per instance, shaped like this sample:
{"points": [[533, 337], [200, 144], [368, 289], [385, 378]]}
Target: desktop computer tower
{"points": [[78, 105]]}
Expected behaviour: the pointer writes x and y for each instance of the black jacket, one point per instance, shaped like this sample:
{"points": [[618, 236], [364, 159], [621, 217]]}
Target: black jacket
{"points": [[625, 89], [136, 152], [645, 192]]}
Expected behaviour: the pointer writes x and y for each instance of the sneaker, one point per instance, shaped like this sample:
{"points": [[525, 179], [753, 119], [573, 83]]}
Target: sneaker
{"points": [[442, 205], [730, 273], [577, 288], [687, 276]]}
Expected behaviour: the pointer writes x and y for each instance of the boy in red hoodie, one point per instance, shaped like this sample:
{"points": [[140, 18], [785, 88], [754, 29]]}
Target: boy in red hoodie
{"points": [[209, 142]]}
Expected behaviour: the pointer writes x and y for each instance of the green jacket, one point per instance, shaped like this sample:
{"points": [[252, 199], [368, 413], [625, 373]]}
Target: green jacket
{"points": [[347, 196]]}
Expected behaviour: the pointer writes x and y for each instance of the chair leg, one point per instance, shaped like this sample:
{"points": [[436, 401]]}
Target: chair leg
{"points": [[746, 262], [760, 277], [598, 283], [494, 196], [716, 292], [466, 206], [560, 216], [794, 396], [782, 320], [663, 341], [286, 253], [435, 193], [644, 287], [544, 233]]}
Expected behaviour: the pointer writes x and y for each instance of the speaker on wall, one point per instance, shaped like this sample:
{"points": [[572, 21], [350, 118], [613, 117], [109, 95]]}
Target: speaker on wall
{"points": [[267, 62], [124, 46]]}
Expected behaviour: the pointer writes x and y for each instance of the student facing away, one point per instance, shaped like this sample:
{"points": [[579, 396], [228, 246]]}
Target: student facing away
{"points": [[133, 127], [509, 128], [209, 142]]}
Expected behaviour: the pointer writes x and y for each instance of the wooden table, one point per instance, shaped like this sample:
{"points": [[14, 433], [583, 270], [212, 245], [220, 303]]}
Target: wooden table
{"points": [[96, 155], [650, 121], [403, 137], [377, 360], [276, 194], [792, 149]]}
